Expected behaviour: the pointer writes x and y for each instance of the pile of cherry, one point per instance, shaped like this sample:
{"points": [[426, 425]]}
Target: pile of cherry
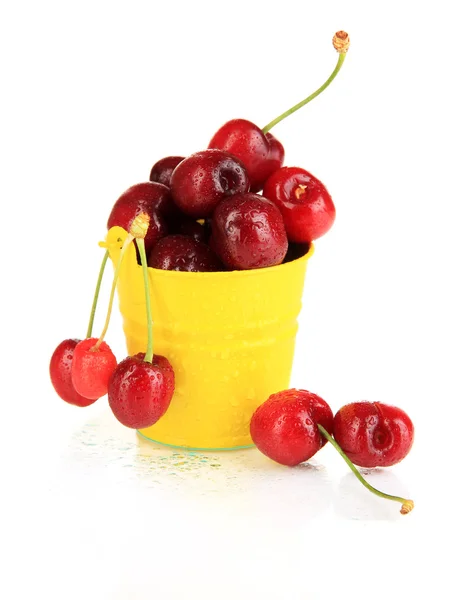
{"points": [[205, 213], [238, 228]]}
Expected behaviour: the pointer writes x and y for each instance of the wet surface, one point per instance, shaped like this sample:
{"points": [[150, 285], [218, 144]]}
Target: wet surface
{"points": [[107, 458], [107, 452]]}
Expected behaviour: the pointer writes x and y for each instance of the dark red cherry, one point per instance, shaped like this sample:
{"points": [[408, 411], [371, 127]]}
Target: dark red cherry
{"points": [[60, 374], [262, 154], [92, 367], [285, 427], [307, 208], [183, 253], [139, 392], [248, 232], [148, 197], [201, 180], [373, 434], [162, 169]]}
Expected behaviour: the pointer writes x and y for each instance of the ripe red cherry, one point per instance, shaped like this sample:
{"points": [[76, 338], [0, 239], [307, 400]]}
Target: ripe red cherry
{"points": [[91, 368], [285, 427], [248, 232], [183, 253], [150, 198], [307, 208], [60, 374], [262, 154], [162, 169], [201, 180], [140, 392], [373, 434]]}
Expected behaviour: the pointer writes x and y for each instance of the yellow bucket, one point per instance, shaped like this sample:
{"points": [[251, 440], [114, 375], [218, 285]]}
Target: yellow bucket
{"points": [[230, 337]]}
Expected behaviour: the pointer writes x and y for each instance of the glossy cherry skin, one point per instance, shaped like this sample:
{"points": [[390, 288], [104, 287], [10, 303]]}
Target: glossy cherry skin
{"points": [[148, 197], [183, 253], [201, 180], [307, 208], [284, 428], [373, 434], [262, 154], [162, 170], [91, 369], [60, 374], [139, 393], [248, 232]]}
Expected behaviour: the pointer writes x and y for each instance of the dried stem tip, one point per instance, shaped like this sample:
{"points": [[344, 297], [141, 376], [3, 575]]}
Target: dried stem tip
{"points": [[139, 226], [341, 41], [407, 506]]}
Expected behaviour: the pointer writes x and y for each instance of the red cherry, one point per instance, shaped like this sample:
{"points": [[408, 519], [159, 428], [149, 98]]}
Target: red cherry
{"points": [[261, 153], [140, 392], [285, 427], [307, 208], [183, 253], [248, 232], [150, 198], [373, 434], [60, 374], [91, 368], [201, 180], [162, 169]]}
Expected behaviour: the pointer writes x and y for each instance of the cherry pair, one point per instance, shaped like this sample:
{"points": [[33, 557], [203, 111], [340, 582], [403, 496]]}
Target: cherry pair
{"points": [[293, 425], [140, 388], [80, 369]]}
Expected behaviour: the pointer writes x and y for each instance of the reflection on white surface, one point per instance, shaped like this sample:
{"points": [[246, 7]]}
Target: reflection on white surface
{"points": [[353, 501], [100, 513], [103, 455], [113, 456]]}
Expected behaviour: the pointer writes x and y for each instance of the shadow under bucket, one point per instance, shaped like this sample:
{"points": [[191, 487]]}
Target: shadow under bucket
{"points": [[230, 337]]}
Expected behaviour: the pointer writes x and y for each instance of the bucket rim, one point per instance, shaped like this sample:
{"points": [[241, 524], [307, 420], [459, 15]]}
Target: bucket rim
{"points": [[118, 232]]}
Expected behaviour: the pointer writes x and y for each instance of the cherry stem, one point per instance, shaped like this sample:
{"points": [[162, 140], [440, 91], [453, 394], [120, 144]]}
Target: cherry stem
{"points": [[125, 246], [340, 62], [96, 295], [407, 505], [143, 258]]}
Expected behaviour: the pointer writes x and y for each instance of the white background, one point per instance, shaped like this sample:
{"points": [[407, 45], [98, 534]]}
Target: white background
{"points": [[93, 94]]}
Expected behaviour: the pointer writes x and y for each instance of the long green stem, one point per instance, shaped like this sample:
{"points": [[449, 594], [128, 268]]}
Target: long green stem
{"points": [[340, 62], [126, 243], [96, 295], [407, 505], [143, 257]]}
